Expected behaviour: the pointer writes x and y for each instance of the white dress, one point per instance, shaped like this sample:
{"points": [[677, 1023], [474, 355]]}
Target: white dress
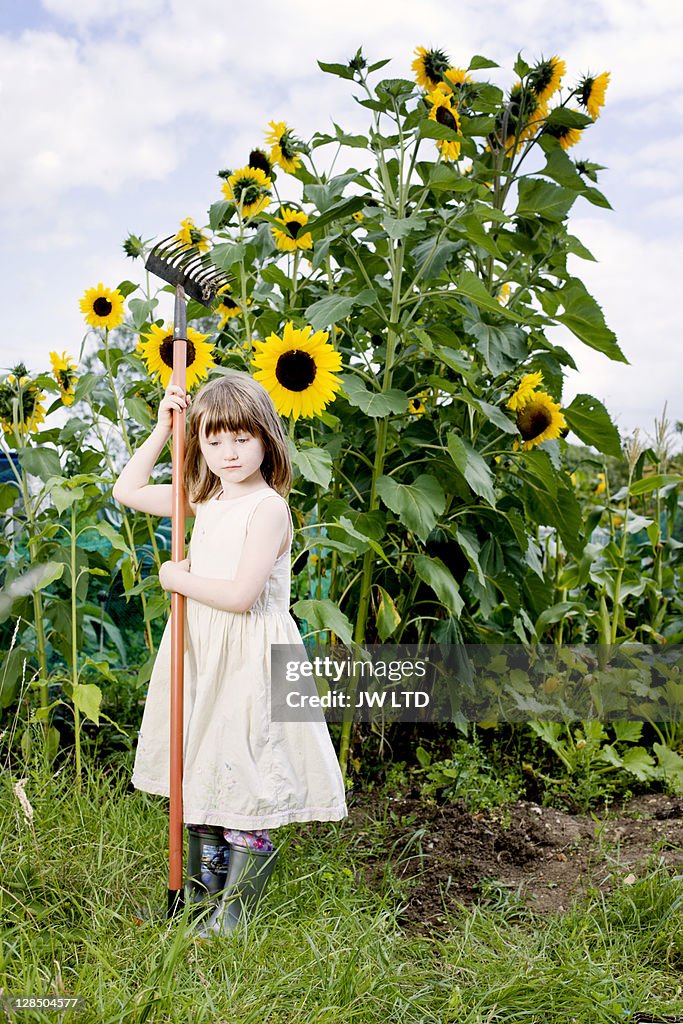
{"points": [[240, 770]]}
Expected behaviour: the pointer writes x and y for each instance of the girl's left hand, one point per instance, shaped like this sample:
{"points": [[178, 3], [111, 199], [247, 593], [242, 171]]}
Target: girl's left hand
{"points": [[169, 573]]}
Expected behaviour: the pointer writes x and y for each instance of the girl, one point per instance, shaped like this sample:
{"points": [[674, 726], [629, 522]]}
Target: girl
{"points": [[243, 774]]}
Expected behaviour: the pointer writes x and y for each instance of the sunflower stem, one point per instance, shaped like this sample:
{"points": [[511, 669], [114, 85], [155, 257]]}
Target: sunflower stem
{"points": [[74, 647]]}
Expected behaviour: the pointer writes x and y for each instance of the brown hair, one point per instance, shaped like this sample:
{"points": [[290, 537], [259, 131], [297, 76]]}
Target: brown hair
{"points": [[233, 402]]}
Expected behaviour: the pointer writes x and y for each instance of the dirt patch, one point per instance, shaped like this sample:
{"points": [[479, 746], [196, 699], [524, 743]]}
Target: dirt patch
{"points": [[536, 858]]}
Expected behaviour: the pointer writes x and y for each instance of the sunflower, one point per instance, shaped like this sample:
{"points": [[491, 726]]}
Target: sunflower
{"points": [[455, 77], [592, 93], [546, 77], [358, 216], [525, 114], [249, 188], [442, 112], [567, 137], [504, 293], [429, 67], [284, 146], [192, 236], [102, 307], [416, 405], [298, 370], [525, 390], [257, 158], [540, 419], [227, 307], [601, 485], [18, 392], [157, 351], [63, 369], [289, 237]]}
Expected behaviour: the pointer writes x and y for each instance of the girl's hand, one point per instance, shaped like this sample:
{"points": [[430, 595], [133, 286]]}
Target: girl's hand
{"points": [[169, 573], [175, 398]]}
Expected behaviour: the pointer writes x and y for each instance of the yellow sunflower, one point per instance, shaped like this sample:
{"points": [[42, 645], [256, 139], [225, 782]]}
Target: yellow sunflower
{"points": [[442, 112], [455, 77], [601, 485], [567, 137], [358, 216], [157, 351], [546, 77], [298, 370], [289, 237], [227, 307], [504, 293], [527, 385], [540, 419], [429, 67], [18, 392], [250, 188], [592, 93], [102, 307], [284, 146], [63, 368], [416, 405], [192, 236], [525, 115]]}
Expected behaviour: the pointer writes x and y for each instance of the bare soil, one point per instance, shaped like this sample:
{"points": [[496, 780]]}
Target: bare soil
{"points": [[540, 858]]}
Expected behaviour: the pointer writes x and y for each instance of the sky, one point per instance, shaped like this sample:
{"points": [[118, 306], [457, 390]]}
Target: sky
{"points": [[116, 117]]}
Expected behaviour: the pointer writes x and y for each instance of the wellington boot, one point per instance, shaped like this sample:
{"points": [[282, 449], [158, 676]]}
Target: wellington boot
{"points": [[207, 868], [249, 872]]}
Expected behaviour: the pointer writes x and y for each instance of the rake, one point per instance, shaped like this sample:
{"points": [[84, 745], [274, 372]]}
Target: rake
{"points": [[191, 274]]}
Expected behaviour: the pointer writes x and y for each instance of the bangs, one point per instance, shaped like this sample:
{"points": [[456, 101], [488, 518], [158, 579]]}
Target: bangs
{"points": [[227, 412]]}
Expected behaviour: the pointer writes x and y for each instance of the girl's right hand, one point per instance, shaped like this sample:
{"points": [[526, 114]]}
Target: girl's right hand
{"points": [[175, 398]]}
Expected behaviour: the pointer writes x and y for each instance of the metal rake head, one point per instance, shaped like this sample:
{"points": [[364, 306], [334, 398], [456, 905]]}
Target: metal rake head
{"points": [[178, 263]]}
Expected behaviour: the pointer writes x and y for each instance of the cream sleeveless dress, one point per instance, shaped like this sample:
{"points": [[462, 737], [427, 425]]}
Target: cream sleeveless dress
{"points": [[240, 770]]}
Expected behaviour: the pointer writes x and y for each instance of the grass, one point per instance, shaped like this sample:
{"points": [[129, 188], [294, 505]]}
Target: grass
{"points": [[325, 949]]}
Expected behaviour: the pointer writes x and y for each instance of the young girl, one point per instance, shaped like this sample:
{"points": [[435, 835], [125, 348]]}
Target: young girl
{"points": [[243, 774]]}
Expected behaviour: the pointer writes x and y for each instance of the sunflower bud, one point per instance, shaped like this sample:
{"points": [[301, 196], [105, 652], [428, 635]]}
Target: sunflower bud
{"points": [[358, 62], [225, 174], [133, 246]]}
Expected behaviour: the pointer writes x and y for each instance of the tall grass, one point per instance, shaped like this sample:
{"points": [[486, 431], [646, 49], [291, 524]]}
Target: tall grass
{"points": [[324, 948]]}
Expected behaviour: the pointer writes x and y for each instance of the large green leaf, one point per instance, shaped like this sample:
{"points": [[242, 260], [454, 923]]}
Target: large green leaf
{"points": [[40, 461], [324, 614], [584, 318], [417, 505], [590, 421], [543, 199], [87, 697], [314, 464], [653, 483], [373, 403], [388, 618], [332, 308], [472, 287], [226, 254], [472, 467], [435, 574]]}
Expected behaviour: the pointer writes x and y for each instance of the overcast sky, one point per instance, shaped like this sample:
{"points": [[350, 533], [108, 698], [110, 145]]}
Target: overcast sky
{"points": [[116, 117]]}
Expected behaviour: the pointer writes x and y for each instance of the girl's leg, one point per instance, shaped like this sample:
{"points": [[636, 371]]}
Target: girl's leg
{"points": [[256, 840]]}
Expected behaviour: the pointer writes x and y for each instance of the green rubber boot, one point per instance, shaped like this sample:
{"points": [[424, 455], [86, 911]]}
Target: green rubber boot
{"points": [[207, 869], [249, 872]]}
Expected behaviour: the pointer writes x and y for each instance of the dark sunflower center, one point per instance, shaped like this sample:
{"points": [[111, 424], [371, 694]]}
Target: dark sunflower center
{"points": [[102, 306], [445, 116], [435, 62], [258, 159], [542, 77], [166, 352], [586, 91], [532, 421], [295, 370], [293, 227], [228, 302], [287, 146]]}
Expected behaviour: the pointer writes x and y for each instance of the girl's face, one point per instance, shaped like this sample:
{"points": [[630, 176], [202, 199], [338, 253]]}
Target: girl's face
{"points": [[234, 457]]}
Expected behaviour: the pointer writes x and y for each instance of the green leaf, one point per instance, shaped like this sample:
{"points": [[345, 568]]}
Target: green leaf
{"points": [[435, 130], [671, 765], [138, 410], [324, 614], [87, 698], [436, 575], [226, 254], [591, 422], [653, 483], [141, 310], [127, 288], [218, 212], [388, 618], [472, 467], [472, 287], [401, 227], [373, 403], [584, 318], [314, 464], [40, 461], [64, 497], [107, 531], [474, 231], [543, 199], [566, 118], [417, 505], [638, 762], [478, 63], [340, 70], [333, 308]]}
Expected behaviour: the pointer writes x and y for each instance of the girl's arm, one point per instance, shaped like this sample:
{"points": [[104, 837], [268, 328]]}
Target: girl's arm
{"points": [[268, 528], [132, 488]]}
